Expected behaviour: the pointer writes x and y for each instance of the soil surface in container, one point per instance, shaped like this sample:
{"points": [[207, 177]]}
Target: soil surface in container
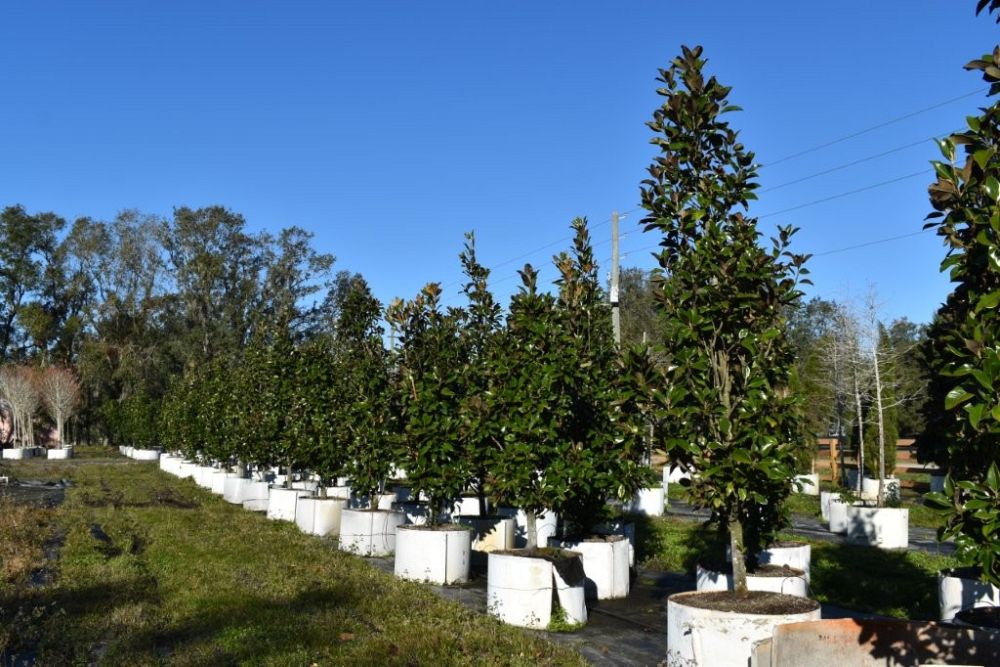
{"points": [[437, 527], [751, 602], [760, 571], [551, 554], [786, 544], [569, 564], [596, 538], [984, 617]]}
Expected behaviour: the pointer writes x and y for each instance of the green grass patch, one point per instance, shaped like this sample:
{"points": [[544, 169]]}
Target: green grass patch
{"points": [[866, 579], [157, 571]]}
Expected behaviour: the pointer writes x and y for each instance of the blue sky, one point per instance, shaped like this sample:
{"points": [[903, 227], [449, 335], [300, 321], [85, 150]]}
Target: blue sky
{"points": [[390, 128]]}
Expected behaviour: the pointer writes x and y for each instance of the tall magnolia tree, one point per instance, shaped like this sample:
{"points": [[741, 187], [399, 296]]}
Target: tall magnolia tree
{"points": [[528, 379], [480, 328], [366, 415], [433, 450], [573, 431], [723, 300], [965, 337]]}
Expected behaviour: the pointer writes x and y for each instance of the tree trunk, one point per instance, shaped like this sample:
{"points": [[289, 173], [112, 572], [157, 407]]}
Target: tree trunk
{"points": [[288, 479], [738, 550], [59, 427], [482, 500], [531, 529], [861, 434], [881, 427]]}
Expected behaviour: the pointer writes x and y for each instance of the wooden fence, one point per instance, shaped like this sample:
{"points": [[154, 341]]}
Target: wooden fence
{"points": [[912, 474]]}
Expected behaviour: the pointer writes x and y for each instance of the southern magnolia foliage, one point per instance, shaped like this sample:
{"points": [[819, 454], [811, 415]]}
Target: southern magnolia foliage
{"points": [[538, 412], [530, 413], [728, 411], [964, 431]]}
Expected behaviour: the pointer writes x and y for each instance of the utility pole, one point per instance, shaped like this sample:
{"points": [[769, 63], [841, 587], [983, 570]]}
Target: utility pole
{"points": [[616, 322]]}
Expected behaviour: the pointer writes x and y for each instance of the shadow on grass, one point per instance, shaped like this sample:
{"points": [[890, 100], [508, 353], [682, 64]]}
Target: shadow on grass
{"points": [[872, 580], [236, 627]]}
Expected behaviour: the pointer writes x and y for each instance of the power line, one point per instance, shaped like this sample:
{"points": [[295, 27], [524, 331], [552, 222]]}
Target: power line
{"points": [[848, 164], [922, 172], [869, 243], [879, 126]]}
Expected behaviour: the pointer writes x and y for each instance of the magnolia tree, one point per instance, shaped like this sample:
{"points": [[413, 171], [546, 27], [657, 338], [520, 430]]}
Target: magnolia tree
{"points": [[365, 411], [606, 454], [966, 333], [433, 450], [723, 300], [528, 377], [481, 427], [570, 441], [60, 393], [316, 376]]}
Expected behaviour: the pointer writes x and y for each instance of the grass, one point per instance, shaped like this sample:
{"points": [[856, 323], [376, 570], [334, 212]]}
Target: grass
{"points": [[156, 571], [920, 515], [866, 579], [23, 534]]}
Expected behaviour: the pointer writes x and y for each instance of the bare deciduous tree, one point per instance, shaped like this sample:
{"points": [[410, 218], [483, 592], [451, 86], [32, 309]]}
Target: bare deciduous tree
{"points": [[60, 392], [17, 385]]}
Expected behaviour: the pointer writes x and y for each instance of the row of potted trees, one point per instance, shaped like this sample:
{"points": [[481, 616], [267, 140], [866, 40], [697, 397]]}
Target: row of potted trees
{"points": [[536, 412]]}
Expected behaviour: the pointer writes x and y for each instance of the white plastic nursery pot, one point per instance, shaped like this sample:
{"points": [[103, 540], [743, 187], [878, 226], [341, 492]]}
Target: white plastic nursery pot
{"points": [[890, 488], [960, 588], [416, 513], [699, 637], [369, 532], [434, 554], [319, 516], [467, 506], [17, 453], [305, 485], [825, 498], [792, 583], [870, 642], [281, 503], [626, 528], [384, 501], [676, 474], [61, 453], [545, 525], [168, 463], [605, 564], [145, 454], [339, 492], [232, 491], [203, 476], [649, 501], [809, 484], [882, 527], [128, 450], [256, 495], [520, 583], [218, 482], [838, 516], [937, 483], [796, 555], [490, 533], [187, 470]]}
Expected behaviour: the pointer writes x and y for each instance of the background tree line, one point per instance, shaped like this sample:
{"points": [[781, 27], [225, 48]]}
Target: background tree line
{"points": [[129, 303]]}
